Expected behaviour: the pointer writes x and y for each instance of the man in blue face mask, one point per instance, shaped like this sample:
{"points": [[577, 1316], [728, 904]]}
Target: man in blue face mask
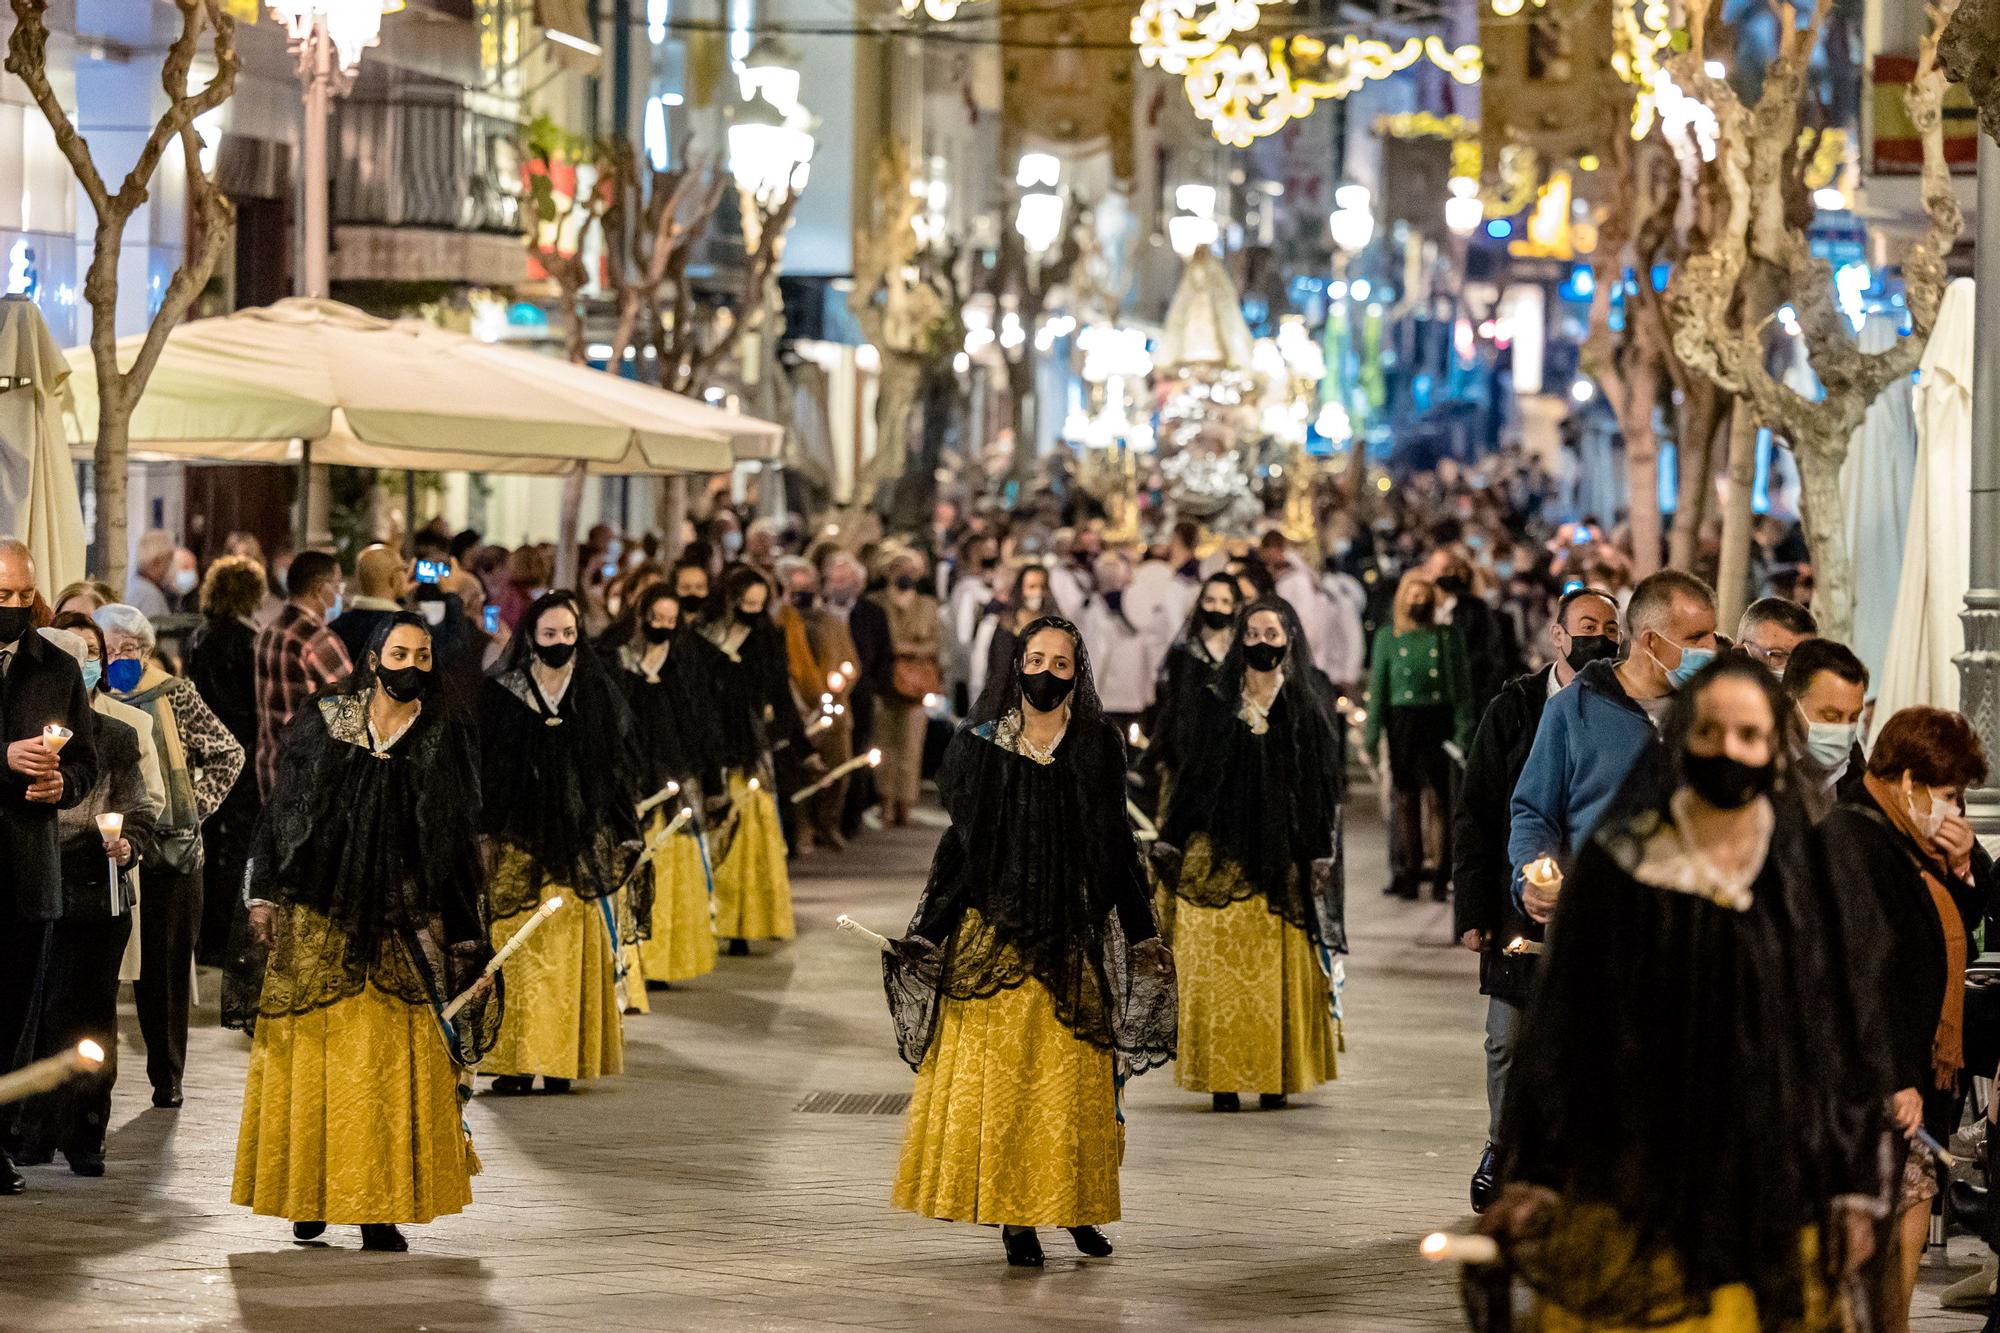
{"points": [[1829, 686], [1593, 735]]}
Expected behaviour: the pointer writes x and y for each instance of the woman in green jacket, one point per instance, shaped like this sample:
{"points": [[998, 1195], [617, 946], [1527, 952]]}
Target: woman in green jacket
{"points": [[1420, 697]]}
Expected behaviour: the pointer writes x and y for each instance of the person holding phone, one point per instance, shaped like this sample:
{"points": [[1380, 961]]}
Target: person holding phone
{"points": [[1903, 841]]}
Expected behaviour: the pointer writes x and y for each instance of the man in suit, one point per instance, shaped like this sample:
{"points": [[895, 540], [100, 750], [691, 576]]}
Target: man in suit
{"points": [[1585, 630], [39, 685], [844, 580]]}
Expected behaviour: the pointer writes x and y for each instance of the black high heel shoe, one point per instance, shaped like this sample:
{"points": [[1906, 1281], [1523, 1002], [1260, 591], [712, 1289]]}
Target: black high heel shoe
{"points": [[555, 1085], [383, 1238], [1272, 1101], [1091, 1241], [1024, 1249], [1224, 1101], [307, 1232], [513, 1085]]}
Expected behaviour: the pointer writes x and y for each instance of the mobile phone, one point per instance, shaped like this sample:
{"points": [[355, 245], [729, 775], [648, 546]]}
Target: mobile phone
{"points": [[492, 620], [432, 571]]}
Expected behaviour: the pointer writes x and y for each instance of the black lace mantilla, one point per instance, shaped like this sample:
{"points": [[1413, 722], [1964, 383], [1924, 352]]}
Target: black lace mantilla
{"points": [[1038, 878], [368, 853]]}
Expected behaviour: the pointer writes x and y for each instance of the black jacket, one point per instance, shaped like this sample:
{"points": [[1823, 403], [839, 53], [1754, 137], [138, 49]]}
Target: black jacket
{"points": [[1480, 868], [1910, 976], [870, 627], [42, 686]]}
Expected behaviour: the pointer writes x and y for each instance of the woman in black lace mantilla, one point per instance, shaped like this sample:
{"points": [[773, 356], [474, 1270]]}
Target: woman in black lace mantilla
{"points": [[364, 880], [562, 775], [1033, 949], [1259, 903]]}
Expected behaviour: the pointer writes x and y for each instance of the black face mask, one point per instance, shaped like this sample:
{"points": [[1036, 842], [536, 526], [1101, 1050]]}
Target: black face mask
{"points": [[1421, 612], [1046, 690], [1114, 602], [555, 656], [1264, 656], [1587, 648], [690, 603], [1216, 619], [1725, 783], [658, 633], [13, 622], [404, 684], [904, 583], [803, 600], [1452, 586]]}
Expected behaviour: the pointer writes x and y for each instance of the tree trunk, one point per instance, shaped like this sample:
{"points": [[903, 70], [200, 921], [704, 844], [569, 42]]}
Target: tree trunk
{"points": [[566, 531], [111, 461], [1695, 430], [1642, 472], [1824, 513], [1732, 580], [895, 401], [672, 513], [1021, 392]]}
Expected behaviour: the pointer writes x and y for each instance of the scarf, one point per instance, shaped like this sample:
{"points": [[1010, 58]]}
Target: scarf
{"points": [[150, 695], [1948, 1046]]}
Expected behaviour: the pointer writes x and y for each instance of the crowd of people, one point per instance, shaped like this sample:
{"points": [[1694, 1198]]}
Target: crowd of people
{"points": [[432, 815]]}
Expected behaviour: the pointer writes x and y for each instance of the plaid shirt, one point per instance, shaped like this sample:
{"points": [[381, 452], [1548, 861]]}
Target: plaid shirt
{"points": [[296, 655]]}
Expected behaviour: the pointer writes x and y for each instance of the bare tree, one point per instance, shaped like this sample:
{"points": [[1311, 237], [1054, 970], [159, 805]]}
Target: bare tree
{"points": [[118, 391], [1723, 296], [692, 343]]}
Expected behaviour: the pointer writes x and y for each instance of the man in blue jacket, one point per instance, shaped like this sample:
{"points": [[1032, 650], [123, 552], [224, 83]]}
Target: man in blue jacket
{"points": [[1594, 734]]}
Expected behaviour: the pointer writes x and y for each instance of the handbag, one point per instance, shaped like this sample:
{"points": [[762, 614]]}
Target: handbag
{"points": [[913, 677]]}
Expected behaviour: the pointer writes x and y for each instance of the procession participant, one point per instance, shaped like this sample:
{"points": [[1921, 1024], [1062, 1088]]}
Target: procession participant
{"points": [[1694, 1125], [753, 890], [916, 638], [1032, 979], [1255, 818], [1188, 671], [364, 883], [559, 779], [80, 993], [667, 681]]}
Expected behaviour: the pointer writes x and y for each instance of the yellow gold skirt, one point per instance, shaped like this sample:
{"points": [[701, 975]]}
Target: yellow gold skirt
{"points": [[1732, 1309], [1254, 1013], [1014, 1120], [351, 1115], [562, 1014], [683, 942], [753, 893]]}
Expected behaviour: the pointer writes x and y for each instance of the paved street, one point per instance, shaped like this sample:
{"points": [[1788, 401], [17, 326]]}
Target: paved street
{"points": [[694, 1193]]}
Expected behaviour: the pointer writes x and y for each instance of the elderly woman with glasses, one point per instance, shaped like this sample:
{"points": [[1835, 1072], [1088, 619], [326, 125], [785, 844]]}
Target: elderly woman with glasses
{"points": [[200, 761]]}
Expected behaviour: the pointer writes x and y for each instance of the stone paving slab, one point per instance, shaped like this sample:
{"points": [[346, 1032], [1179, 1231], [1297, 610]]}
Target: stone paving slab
{"points": [[691, 1195]]}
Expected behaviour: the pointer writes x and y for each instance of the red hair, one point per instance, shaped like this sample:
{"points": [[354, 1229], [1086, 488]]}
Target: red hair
{"points": [[1935, 746]]}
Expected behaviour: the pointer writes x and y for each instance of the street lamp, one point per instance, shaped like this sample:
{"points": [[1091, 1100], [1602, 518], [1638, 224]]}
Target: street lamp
{"points": [[772, 69], [769, 152], [1352, 221], [1040, 218], [1463, 211], [328, 36]]}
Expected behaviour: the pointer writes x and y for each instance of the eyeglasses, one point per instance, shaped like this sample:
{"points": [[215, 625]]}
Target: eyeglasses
{"points": [[1776, 658]]}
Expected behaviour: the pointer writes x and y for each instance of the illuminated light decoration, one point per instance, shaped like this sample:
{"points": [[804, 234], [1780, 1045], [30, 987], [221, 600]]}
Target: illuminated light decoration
{"points": [[1248, 92], [1463, 210], [1172, 34], [1352, 221], [1188, 232], [656, 22], [23, 277], [1829, 156], [1426, 125], [942, 11], [1112, 352], [351, 25], [1685, 119], [1547, 234], [1582, 392], [1829, 199], [1588, 162], [1040, 221], [1642, 32], [768, 153]]}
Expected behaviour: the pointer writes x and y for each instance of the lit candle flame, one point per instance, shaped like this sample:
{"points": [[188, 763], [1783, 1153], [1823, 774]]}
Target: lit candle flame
{"points": [[874, 759], [89, 1052], [835, 680], [755, 785]]}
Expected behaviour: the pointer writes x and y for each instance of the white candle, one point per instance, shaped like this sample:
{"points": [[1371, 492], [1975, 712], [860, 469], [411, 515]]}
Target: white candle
{"points": [[47, 1075], [853, 927], [1441, 1247], [506, 951], [1543, 873], [872, 759], [55, 736], [110, 826]]}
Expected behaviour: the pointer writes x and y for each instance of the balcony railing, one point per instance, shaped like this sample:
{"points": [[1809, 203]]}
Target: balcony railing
{"points": [[418, 160]]}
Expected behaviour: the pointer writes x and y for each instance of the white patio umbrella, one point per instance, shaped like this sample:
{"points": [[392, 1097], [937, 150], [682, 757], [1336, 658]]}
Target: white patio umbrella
{"points": [[255, 385], [38, 500], [1926, 634], [1875, 484]]}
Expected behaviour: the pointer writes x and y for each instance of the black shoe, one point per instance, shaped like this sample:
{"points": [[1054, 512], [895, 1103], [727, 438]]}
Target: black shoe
{"points": [[33, 1156], [557, 1085], [11, 1181], [1091, 1241], [513, 1085], [1271, 1101], [307, 1232], [383, 1238], [167, 1097], [1485, 1184], [739, 948], [1023, 1249], [1441, 889], [1224, 1101], [86, 1162]]}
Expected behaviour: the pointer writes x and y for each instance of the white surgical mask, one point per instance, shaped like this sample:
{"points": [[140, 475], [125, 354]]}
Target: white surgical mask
{"points": [[1830, 743], [1931, 821]]}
